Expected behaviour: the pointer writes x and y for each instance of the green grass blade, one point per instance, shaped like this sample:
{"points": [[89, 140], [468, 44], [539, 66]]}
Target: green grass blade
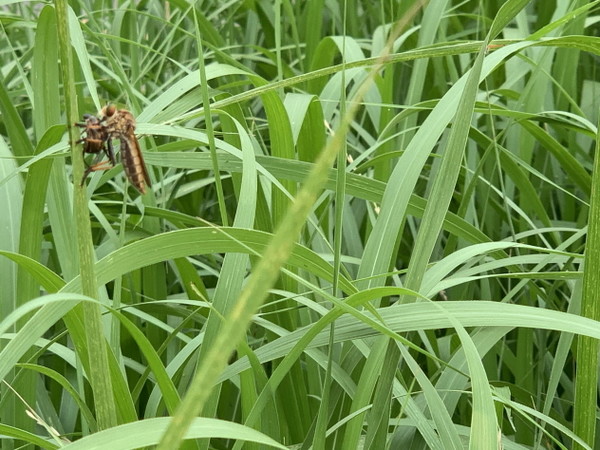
{"points": [[587, 348]]}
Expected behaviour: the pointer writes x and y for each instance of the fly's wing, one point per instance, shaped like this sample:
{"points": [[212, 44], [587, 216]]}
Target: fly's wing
{"points": [[133, 163], [108, 149]]}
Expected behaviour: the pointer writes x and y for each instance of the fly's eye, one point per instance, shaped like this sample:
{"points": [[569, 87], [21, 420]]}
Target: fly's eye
{"points": [[109, 110], [87, 116]]}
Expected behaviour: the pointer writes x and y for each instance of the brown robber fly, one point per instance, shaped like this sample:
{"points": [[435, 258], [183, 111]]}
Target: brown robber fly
{"points": [[119, 124]]}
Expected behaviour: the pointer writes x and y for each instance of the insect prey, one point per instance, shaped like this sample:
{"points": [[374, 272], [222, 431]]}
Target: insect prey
{"points": [[96, 141]]}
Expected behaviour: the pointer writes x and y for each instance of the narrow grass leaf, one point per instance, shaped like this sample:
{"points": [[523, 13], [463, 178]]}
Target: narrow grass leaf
{"points": [[586, 383]]}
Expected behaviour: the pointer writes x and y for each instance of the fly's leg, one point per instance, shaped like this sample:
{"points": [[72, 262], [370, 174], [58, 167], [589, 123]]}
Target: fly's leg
{"points": [[96, 166], [86, 139]]}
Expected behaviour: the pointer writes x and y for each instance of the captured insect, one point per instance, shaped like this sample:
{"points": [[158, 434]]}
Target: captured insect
{"points": [[96, 141], [112, 124]]}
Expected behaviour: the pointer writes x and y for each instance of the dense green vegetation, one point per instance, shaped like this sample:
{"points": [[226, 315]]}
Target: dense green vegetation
{"points": [[371, 225]]}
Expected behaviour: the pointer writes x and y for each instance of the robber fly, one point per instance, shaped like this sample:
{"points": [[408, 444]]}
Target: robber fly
{"points": [[119, 124]]}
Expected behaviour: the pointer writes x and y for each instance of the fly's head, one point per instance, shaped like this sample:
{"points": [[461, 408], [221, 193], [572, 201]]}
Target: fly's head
{"points": [[120, 122]]}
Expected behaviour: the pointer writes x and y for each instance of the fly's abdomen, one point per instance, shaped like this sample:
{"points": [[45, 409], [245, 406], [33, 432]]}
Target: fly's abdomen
{"points": [[133, 164]]}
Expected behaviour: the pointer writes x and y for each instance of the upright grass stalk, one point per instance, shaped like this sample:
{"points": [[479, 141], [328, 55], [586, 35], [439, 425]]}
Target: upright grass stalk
{"points": [[340, 196], [209, 124], [586, 381], [96, 356]]}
